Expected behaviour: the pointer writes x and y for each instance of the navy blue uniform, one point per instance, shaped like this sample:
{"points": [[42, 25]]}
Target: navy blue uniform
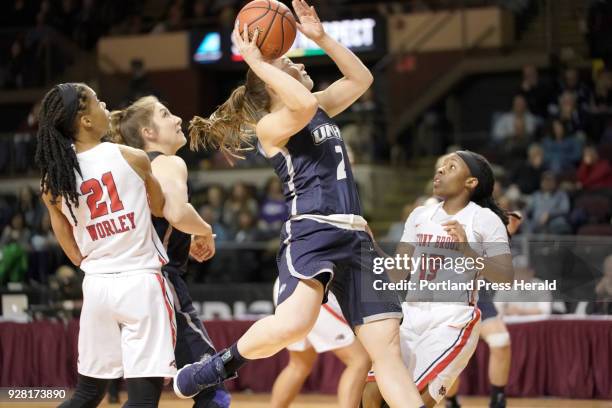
{"points": [[318, 183], [193, 342], [485, 304]]}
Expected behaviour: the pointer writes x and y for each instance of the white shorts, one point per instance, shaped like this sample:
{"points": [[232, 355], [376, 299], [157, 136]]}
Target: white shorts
{"points": [[330, 332], [437, 341], [127, 326]]}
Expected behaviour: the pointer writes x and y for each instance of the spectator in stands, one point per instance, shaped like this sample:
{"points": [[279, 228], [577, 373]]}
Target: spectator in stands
{"points": [[594, 172], [173, 21], [523, 302], [14, 244], [208, 214], [247, 230], [215, 197], [24, 142], [514, 130], [30, 206], [601, 101], [240, 199], [15, 69], [570, 116], [273, 211], [571, 83], [534, 91], [16, 232], [66, 285], [526, 176], [43, 237], [561, 151], [548, 208]]}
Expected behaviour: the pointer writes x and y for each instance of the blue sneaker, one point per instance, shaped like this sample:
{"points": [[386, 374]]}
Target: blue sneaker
{"points": [[193, 378]]}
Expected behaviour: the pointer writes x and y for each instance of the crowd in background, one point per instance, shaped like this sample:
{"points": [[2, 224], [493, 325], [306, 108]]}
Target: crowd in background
{"points": [[555, 146]]}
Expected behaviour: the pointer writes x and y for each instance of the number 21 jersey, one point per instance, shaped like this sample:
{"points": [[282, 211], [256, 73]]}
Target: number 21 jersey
{"points": [[113, 231]]}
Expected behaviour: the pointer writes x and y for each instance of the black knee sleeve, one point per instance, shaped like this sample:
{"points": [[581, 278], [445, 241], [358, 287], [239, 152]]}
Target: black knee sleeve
{"points": [[143, 392], [88, 394]]}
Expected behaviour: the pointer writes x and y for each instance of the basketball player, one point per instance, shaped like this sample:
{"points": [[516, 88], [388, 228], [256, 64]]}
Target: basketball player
{"points": [[440, 329], [147, 124], [325, 240], [331, 332], [494, 332], [96, 194]]}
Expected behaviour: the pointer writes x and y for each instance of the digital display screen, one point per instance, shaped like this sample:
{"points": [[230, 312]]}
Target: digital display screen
{"points": [[209, 49], [358, 35]]}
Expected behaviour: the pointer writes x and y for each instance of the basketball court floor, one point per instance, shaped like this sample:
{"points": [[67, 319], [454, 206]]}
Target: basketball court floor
{"points": [[324, 401]]}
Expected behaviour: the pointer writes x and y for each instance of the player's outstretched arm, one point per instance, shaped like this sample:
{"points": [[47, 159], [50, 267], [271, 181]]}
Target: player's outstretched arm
{"points": [[357, 78], [139, 161], [62, 230], [300, 105]]}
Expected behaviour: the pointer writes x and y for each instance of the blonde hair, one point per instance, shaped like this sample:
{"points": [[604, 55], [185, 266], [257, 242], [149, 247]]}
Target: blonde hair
{"points": [[126, 124], [231, 127]]}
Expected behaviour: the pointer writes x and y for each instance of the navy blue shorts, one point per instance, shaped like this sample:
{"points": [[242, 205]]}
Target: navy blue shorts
{"points": [[485, 304], [487, 310], [192, 340], [343, 260]]}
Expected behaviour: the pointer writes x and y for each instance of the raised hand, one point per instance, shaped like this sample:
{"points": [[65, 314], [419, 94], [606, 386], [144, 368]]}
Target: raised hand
{"points": [[247, 48], [309, 23]]}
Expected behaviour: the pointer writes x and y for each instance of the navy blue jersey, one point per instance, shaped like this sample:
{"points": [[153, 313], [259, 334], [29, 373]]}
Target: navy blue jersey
{"points": [[176, 242], [314, 169]]}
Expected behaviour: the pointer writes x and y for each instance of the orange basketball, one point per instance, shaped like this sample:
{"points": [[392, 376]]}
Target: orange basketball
{"points": [[275, 23]]}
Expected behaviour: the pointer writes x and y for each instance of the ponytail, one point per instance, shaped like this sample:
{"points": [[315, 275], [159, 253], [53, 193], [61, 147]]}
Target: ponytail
{"points": [[126, 124], [231, 127]]}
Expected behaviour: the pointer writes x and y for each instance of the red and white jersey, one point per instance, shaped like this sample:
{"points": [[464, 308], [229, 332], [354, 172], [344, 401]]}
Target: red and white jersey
{"points": [[113, 230], [439, 259]]}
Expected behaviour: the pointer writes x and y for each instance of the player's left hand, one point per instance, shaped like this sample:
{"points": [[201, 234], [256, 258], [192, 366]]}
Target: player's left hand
{"points": [[455, 230], [309, 23]]}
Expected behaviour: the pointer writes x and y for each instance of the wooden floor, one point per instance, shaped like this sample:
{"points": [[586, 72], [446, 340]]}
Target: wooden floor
{"points": [[321, 401]]}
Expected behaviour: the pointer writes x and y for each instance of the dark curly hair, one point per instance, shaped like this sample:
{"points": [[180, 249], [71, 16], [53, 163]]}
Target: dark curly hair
{"points": [[55, 153]]}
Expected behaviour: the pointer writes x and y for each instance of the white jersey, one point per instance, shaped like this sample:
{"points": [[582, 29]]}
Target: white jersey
{"points": [[113, 231], [439, 259]]}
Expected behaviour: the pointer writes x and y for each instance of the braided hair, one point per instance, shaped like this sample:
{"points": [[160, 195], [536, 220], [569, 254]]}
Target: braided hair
{"points": [[483, 193], [55, 153]]}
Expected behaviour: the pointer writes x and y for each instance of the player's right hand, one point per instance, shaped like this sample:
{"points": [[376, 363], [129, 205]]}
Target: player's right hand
{"points": [[247, 48], [202, 248]]}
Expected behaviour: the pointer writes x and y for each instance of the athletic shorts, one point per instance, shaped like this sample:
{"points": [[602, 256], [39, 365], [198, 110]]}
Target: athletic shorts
{"points": [[341, 259], [437, 341], [487, 310], [127, 326]]}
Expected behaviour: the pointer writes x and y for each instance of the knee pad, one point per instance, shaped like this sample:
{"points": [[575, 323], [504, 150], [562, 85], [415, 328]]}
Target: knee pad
{"points": [[498, 339]]}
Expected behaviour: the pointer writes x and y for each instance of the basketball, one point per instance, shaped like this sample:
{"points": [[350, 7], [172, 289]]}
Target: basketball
{"points": [[275, 23]]}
